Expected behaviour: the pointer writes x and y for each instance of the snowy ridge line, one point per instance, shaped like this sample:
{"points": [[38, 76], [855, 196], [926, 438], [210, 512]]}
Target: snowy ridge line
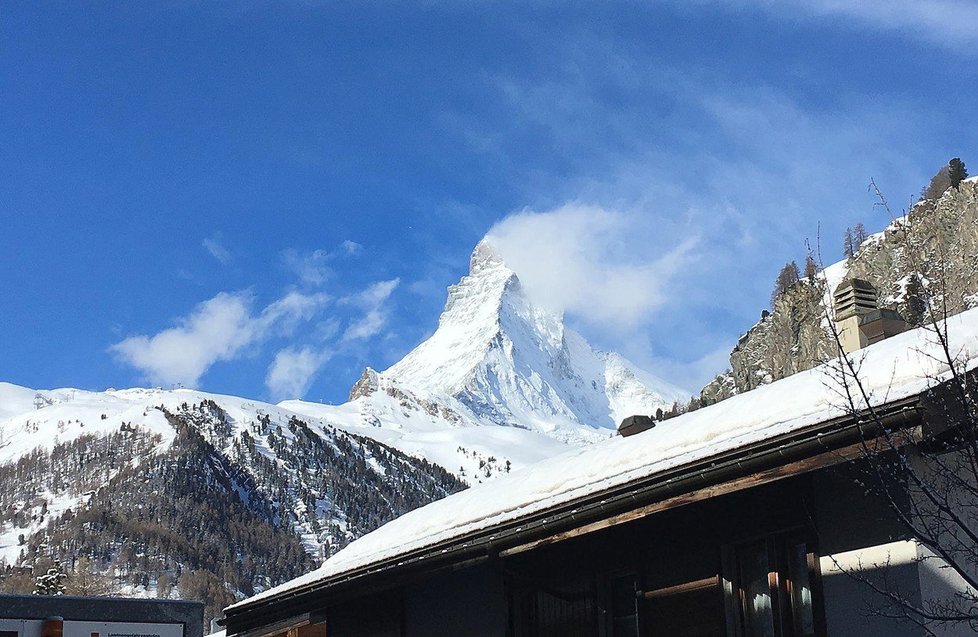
{"points": [[897, 368]]}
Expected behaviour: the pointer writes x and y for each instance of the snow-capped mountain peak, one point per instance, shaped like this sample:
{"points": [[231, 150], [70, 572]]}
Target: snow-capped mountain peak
{"points": [[485, 311], [517, 364], [500, 382]]}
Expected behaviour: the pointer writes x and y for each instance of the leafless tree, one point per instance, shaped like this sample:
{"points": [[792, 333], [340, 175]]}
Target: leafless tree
{"points": [[939, 183], [927, 475], [811, 268]]}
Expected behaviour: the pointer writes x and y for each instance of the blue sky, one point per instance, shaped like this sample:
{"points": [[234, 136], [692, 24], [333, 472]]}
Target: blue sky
{"points": [[262, 198]]}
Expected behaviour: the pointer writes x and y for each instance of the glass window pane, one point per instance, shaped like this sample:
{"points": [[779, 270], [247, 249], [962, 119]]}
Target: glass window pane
{"points": [[753, 567], [801, 590]]}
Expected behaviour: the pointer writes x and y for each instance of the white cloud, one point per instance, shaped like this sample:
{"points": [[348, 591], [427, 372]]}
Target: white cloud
{"points": [[312, 268], [949, 23], [373, 303], [293, 370], [723, 176], [219, 329], [597, 264], [290, 310], [351, 247], [217, 250]]}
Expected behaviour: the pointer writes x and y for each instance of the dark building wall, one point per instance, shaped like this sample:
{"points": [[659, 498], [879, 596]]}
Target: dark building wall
{"points": [[860, 538], [830, 509], [373, 616], [469, 603]]}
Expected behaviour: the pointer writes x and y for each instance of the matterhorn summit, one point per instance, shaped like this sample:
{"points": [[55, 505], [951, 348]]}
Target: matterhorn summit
{"points": [[501, 383]]}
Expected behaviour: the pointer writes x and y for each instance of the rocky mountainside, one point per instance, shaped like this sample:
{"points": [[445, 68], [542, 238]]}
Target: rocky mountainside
{"points": [[500, 384], [932, 253]]}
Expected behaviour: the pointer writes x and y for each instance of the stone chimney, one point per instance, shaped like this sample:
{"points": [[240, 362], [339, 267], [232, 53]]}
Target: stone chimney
{"points": [[858, 317]]}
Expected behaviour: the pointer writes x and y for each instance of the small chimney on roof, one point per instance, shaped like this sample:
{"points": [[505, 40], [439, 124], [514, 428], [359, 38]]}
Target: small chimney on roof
{"points": [[859, 319], [635, 425]]}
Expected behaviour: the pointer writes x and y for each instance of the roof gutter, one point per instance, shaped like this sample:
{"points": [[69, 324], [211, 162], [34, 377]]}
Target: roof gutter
{"points": [[482, 545]]}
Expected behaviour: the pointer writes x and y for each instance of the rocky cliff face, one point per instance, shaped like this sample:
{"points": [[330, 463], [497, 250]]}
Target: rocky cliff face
{"points": [[930, 254]]}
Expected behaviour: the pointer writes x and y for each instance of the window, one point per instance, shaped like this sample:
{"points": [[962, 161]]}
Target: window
{"points": [[690, 609], [553, 608], [768, 587], [624, 607]]}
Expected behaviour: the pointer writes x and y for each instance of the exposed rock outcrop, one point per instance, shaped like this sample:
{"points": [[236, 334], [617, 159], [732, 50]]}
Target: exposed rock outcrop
{"points": [[933, 251]]}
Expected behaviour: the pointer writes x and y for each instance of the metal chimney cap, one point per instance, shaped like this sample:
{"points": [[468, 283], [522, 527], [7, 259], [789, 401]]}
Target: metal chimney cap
{"points": [[635, 424]]}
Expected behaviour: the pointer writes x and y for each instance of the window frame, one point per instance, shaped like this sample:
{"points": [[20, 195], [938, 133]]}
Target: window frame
{"points": [[606, 608], [777, 544]]}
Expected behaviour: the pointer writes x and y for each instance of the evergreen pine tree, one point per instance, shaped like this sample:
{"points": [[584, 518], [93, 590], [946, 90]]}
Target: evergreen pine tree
{"points": [[916, 305], [849, 244], [859, 235], [50, 583], [956, 171]]}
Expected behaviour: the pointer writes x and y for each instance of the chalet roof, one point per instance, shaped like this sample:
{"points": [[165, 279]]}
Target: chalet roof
{"points": [[897, 368]]}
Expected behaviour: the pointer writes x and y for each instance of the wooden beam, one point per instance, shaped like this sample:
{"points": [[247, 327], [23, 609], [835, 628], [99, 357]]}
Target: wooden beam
{"points": [[763, 477], [291, 627], [311, 630], [685, 587]]}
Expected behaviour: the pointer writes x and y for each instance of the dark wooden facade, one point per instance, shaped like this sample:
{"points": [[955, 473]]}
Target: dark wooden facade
{"points": [[744, 564]]}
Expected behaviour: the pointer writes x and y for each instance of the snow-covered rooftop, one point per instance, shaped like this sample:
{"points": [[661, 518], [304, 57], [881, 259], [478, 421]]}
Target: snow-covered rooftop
{"points": [[896, 368]]}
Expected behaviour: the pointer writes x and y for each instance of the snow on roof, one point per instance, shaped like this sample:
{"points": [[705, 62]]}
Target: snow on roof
{"points": [[899, 367]]}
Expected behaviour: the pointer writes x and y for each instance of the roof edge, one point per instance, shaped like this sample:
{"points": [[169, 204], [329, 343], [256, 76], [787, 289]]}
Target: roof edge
{"points": [[479, 544]]}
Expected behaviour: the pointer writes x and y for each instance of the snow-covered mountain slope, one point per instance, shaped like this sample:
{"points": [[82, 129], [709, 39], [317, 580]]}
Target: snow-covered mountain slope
{"points": [[326, 485], [500, 381]]}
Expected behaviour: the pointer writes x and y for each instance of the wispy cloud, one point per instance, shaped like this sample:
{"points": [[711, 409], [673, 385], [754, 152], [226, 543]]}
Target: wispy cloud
{"points": [[312, 268], [680, 216], [315, 267], [217, 250], [592, 262], [373, 302], [947, 23], [293, 370], [219, 329], [351, 247]]}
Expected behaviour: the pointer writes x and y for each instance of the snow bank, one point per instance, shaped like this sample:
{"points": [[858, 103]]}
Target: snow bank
{"points": [[893, 369]]}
